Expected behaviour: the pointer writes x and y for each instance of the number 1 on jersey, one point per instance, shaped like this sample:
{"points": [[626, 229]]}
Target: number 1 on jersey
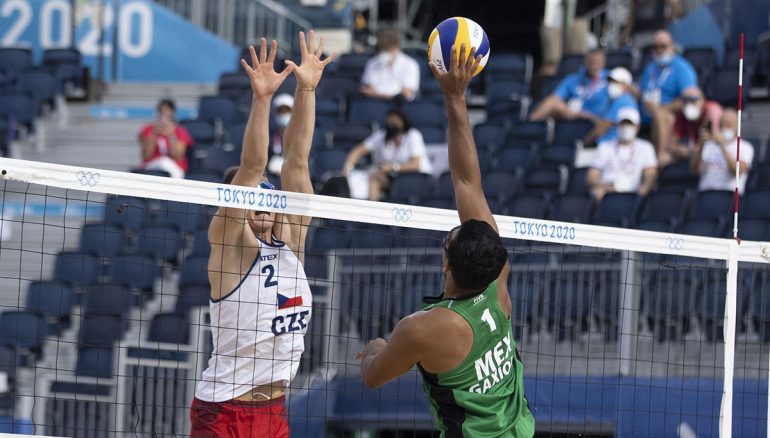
{"points": [[487, 317]]}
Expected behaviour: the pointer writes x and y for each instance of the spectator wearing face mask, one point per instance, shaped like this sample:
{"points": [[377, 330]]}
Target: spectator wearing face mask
{"points": [[696, 114], [619, 83], [390, 73], [664, 80], [716, 156], [283, 104], [626, 164], [398, 148], [580, 95]]}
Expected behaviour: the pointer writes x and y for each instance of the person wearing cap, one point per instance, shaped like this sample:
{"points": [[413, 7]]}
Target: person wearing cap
{"points": [[619, 82], [390, 73], [715, 157], [283, 104], [580, 95], [627, 164], [696, 114]]}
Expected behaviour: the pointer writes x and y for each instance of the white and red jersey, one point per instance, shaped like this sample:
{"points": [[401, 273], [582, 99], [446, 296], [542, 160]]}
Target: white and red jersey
{"points": [[258, 328]]}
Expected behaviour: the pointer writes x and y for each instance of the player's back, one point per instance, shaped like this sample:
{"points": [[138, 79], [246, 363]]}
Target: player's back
{"points": [[484, 395]]}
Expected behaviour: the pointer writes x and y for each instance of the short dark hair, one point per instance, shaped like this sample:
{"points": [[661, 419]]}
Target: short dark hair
{"points": [[476, 255], [229, 175], [388, 39], [167, 102], [401, 115]]}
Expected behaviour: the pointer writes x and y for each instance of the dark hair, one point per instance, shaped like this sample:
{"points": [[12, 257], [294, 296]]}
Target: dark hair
{"points": [[167, 102], [388, 39], [401, 115], [594, 51], [476, 255], [229, 175]]}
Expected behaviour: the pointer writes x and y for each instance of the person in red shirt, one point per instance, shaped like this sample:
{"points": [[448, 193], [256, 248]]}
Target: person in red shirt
{"points": [[696, 114], [164, 143]]}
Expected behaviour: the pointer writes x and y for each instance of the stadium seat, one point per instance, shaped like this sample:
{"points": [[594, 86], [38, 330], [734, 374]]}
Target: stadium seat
{"points": [[411, 188], [66, 64], [23, 329], [712, 204], [752, 229], [16, 58], [567, 304], [443, 203], [326, 163], [219, 160], [101, 331], [572, 208], [95, 362], [556, 155], [620, 58], [425, 113], [234, 85], [206, 176], [202, 131], [345, 137], [526, 283], [44, 86], [107, 300], [102, 240], [9, 362], [325, 239], [667, 301], [500, 185], [568, 132], [125, 212], [171, 328], [756, 205], [444, 189], [577, 182], [531, 206], [512, 159], [76, 268], [569, 64], [137, 272], [287, 87], [433, 135], [21, 107], [337, 87], [702, 59], [200, 243], [218, 108], [430, 88], [352, 65], [504, 100], [510, 67], [710, 302], [759, 179], [663, 206], [677, 177], [542, 180], [54, 301], [193, 296], [534, 131], [194, 272], [184, 216], [367, 111], [653, 225], [372, 236], [722, 87], [617, 209], [160, 242], [703, 227], [490, 135], [327, 111], [759, 310]]}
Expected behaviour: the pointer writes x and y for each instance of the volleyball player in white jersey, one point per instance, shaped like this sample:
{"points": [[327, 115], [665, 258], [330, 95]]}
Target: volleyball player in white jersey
{"points": [[260, 298]]}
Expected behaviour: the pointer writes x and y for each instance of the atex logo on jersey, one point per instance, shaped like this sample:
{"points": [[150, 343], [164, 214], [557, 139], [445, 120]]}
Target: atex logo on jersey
{"points": [[493, 366]]}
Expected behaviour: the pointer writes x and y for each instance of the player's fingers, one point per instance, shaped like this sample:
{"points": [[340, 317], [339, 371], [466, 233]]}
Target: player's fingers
{"points": [[302, 44], [434, 69], [311, 41], [287, 71], [462, 54], [262, 51], [246, 66], [273, 51], [453, 57], [291, 64], [476, 63], [254, 60], [320, 49], [329, 59], [471, 58]]}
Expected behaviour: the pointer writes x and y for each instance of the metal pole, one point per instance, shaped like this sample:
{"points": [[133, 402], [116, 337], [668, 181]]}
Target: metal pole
{"points": [[731, 304], [629, 310]]}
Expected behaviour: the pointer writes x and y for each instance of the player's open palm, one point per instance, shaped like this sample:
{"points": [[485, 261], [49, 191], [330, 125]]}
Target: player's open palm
{"points": [[460, 73], [264, 79], [311, 67]]}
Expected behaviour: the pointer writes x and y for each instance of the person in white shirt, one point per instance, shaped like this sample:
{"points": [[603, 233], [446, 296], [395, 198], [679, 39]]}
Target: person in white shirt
{"points": [[398, 148], [626, 164], [283, 104], [390, 73], [716, 157]]}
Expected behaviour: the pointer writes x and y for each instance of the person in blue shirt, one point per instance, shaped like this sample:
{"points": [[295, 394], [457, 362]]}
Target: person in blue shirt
{"points": [[580, 95], [619, 82], [662, 83]]}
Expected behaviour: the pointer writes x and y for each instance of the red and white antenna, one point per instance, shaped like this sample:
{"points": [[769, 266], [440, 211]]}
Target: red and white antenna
{"points": [[738, 146]]}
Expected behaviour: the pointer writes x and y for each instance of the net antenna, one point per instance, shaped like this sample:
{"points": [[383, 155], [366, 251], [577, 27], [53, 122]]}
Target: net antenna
{"points": [[738, 146]]}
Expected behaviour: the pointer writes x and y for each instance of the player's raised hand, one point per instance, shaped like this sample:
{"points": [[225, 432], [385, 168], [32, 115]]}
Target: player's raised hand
{"points": [[264, 79], [460, 73], [311, 67]]}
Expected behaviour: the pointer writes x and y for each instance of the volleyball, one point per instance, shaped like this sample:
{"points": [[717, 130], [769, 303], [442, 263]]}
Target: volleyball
{"points": [[456, 31]]}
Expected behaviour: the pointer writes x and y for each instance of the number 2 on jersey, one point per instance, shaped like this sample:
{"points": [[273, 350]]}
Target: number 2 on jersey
{"points": [[270, 271], [487, 317]]}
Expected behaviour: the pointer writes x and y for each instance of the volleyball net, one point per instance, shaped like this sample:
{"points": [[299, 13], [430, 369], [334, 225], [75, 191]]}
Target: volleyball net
{"points": [[105, 329]]}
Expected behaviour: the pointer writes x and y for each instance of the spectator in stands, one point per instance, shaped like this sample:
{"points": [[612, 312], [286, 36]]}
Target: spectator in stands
{"points": [[716, 156], [619, 82], [283, 104], [696, 114], [164, 143], [398, 148], [582, 94], [663, 81], [626, 164], [391, 73]]}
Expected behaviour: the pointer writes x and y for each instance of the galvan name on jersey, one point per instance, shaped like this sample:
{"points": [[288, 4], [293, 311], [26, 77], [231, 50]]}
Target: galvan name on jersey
{"points": [[493, 366]]}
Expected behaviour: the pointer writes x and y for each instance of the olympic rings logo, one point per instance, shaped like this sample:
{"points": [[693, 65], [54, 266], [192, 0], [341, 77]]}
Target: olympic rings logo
{"points": [[401, 214], [674, 243], [89, 179]]}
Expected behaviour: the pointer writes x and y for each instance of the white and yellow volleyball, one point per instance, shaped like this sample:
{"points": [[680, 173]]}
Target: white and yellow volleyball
{"points": [[456, 31]]}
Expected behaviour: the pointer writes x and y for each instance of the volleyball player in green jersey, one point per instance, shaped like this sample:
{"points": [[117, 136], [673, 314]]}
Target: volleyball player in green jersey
{"points": [[461, 341]]}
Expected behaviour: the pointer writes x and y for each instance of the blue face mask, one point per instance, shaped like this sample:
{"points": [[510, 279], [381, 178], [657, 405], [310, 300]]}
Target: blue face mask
{"points": [[664, 59], [266, 185]]}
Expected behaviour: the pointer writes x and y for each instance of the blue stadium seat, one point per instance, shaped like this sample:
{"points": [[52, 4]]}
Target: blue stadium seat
{"points": [[134, 271], [653, 225], [443, 203], [617, 209], [663, 206], [433, 135], [702, 59], [102, 240], [345, 137], [21, 107], [703, 227], [184, 216], [219, 160], [756, 205], [44, 86], [510, 66], [9, 362], [410, 188], [723, 88], [500, 185], [125, 212], [200, 243], [677, 177], [160, 242], [558, 155], [107, 300], [567, 132], [363, 111], [490, 135], [667, 301], [532, 206], [372, 236], [325, 239], [352, 65], [534, 131], [752, 229], [712, 204], [759, 310], [76, 268], [569, 64], [65, 63], [620, 58], [202, 131], [567, 305], [23, 329], [95, 362], [577, 182], [513, 159], [425, 113], [710, 305], [171, 328], [542, 180], [54, 301], [218, 108], [287, 87], [504, 100], [526, 284], [101, 331], [206, 176], [234, 85], [444, 189], [16, 59], [192, 296], [759, 179], [194, 272], [327, 111], [325, 163], [337, 87], [572, 208]]}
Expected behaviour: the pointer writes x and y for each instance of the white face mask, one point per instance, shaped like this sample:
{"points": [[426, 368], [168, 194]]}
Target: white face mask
{"points": [[664, 59], [691, 112], [615, 90], [626, 133], [388, 57], [283, 119], [727, 134]]}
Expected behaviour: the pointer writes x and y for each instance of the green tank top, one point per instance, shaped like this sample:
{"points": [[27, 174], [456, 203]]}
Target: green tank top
{"points": [[484, 395]]}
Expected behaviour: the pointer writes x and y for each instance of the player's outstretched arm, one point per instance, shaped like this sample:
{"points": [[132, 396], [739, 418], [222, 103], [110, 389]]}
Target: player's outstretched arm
{"points": [[295, 173]]}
